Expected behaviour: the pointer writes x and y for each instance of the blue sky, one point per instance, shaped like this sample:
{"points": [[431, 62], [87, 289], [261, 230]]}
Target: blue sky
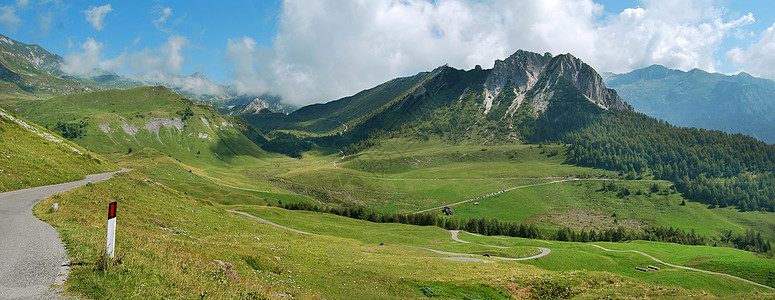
{"points": [[314, 51]]}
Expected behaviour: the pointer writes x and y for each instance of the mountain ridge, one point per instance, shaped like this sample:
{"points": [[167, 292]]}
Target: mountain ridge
{"points": [[738, 103], [493, 104]]}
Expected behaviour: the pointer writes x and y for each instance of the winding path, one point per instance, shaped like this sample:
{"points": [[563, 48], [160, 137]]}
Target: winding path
{"points": [[268, 222], [544, 252], [456, 232], [686, 268], [32, 257], [493, 194]]}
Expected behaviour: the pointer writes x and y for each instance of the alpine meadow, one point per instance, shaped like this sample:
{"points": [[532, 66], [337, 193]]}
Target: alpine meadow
{"points": [[530, 177]]}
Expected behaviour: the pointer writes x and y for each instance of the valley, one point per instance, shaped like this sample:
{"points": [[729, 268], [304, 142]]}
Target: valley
{"points": [[556, 188]]}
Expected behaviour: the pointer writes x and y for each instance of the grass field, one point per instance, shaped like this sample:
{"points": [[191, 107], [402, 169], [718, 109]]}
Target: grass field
{"points": [[408, 176], [32, 156], [170, 244]]}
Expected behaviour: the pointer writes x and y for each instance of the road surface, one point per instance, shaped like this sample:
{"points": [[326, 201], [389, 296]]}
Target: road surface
{"points": [[31, 253]]}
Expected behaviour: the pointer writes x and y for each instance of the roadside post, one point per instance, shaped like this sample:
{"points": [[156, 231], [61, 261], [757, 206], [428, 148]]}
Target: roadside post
{"points": [[111, 243]]}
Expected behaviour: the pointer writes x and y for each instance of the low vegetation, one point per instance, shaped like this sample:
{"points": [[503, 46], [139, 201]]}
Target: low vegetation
{"points": [[173, 245], [32, 156]]}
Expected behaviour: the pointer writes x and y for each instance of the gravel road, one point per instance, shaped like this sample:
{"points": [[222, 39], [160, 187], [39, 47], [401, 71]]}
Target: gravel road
{"points": [[31, 253]]}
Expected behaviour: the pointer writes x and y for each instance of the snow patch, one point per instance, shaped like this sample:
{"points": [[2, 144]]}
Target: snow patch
{"points": [[205, 136], [224, 124], [205, 121]]}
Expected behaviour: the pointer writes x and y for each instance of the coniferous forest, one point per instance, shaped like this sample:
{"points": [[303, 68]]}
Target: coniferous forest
{"points": [[708, 166]]}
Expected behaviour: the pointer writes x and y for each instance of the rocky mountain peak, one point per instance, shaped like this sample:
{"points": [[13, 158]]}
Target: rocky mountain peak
{"points": [[523, 70], [255, 106], [33, 54]]}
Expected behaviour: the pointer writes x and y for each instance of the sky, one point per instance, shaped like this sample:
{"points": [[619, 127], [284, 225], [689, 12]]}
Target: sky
{"points": [[309, 51]]}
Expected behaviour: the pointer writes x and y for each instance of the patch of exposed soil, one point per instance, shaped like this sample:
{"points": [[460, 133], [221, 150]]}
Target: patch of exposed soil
{"points": [[587, 219]]}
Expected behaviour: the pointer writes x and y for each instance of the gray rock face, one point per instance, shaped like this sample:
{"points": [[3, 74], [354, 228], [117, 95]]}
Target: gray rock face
{"points": [[524, 70], [255, 106]]}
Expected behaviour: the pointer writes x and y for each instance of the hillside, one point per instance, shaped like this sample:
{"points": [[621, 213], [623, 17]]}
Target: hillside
{"points": [[32, 156], [31, 71], [735, 104], [120, 121]]}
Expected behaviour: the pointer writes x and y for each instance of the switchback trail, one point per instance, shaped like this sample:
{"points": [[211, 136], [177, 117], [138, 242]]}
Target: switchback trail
{"points": [[456, 232], [544, 252], [31, 253], [686, 268], [462, 256]]}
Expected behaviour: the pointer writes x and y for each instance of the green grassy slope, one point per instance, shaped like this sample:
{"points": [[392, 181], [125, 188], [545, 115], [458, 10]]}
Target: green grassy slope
{"points": [[32, 156], [114, 121], [322, 118], [406, 175], [170, 244]]}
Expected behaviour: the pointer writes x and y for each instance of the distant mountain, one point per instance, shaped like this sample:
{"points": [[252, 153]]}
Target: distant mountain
{"points": [[735, 104], [488, 106], [27, 70]]}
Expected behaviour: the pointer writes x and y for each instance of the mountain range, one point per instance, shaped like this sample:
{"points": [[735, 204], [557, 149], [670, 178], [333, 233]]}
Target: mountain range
{"points": [[732, 103], [31, 71], [538, 147]]}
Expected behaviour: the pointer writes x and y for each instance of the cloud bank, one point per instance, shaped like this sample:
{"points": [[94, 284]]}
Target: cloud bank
{"points": [[167, 58], [758, 59], [96, 15], [325, 50]]}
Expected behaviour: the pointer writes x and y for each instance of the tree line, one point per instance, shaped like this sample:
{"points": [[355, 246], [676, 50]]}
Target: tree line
{"points": [[749, 241]]}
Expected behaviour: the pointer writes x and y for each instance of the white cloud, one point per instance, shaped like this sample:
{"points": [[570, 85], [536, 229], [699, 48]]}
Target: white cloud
{"points": [[165, 12], [156, 66], [244, 56], [677, 34], [83, 63], [8, 18], [96, 15], [758, 58], [168, 58], [195, 84], [320, 54]]}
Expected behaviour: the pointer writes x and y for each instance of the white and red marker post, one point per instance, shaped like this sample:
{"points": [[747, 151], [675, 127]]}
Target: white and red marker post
{"points": [[111, 229]]}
